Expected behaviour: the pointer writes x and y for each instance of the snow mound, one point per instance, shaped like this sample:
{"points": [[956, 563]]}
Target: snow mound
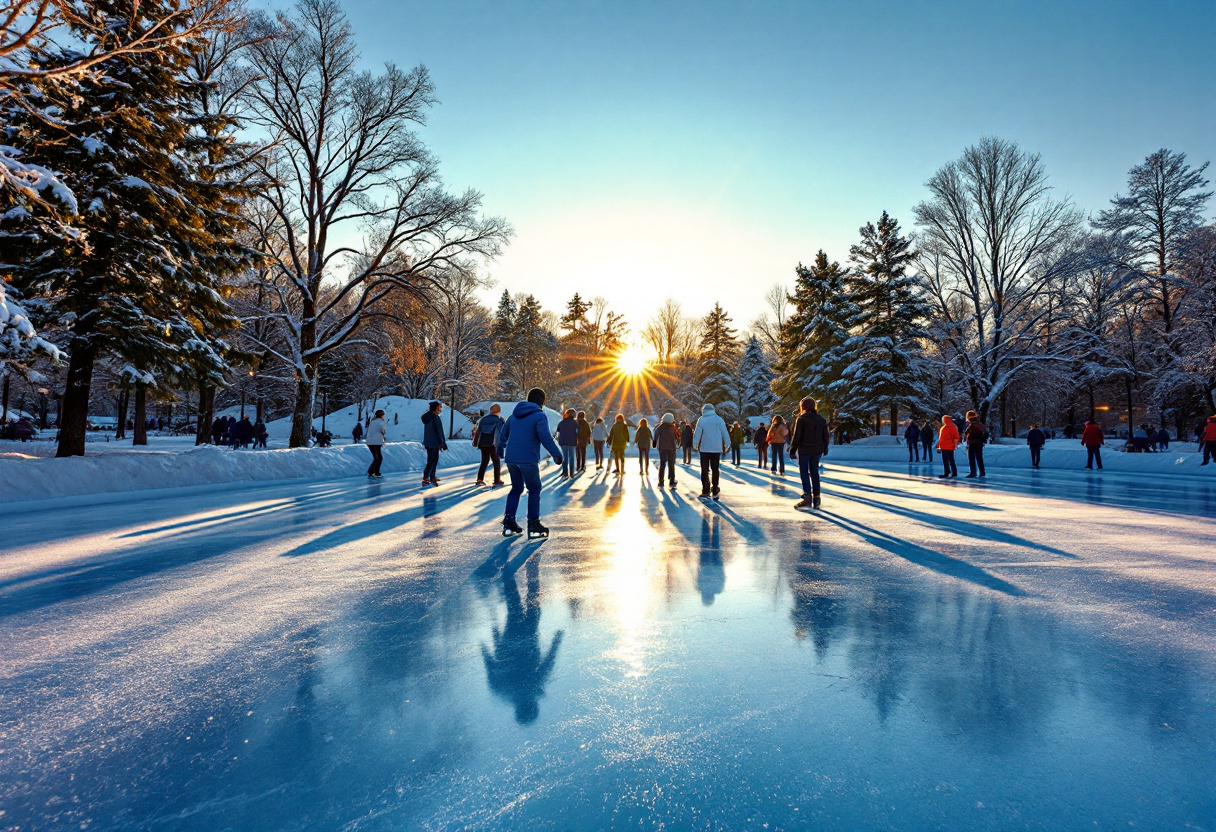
{"points": [[205, 465], [403, 417]]}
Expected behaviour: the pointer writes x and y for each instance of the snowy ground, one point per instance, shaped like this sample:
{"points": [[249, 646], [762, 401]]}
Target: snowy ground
{"points": [[1030, 653]]}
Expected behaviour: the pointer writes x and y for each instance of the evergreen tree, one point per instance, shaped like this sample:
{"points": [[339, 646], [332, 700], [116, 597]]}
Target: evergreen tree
{"points": [[752, 390], [887, 368], [811, 358], [719, 355], [140, 276], [501, 332], [533, 347], [574, 322]]}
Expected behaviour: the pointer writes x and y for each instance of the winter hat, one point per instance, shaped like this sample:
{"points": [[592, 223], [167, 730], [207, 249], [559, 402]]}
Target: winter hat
{"points": [[707, 408], [669, 418], [971, 414]]}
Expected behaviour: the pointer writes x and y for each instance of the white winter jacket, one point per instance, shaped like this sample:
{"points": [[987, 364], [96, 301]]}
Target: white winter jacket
{"points": [[599, 433], [376, 432], [711, 436]]}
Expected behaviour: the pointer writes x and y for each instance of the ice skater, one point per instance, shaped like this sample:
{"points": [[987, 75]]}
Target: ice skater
{"points": [[947, 442], [975, 435], [376, 433], [1036, 439], [618, 442], [809, 443], [667, 442], [711, 439], [641, 438], [485, 439], [519, 444], [434, 441], [1093, 439], [567, 438], [599, 435]]}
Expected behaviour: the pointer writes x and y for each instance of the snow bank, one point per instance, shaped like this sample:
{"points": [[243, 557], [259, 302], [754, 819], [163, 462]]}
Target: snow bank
{"points": [[404, 418], [1057, 453], [29, 478]]}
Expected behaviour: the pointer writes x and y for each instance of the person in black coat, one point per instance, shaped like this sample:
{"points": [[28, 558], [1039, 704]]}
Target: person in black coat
{"points": [[808, 443], [1036, 439], [686, 442], [912, 438]]}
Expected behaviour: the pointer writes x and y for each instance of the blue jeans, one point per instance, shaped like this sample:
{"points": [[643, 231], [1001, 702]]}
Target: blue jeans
{"points": [[523, 474], [569, 460], [777, 451], [808, 469]]}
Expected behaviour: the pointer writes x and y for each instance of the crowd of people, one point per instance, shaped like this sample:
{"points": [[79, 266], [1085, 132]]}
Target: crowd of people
{"points": [[238, 433]]}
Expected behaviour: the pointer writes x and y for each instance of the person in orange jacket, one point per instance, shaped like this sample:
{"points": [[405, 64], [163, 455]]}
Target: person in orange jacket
{"points": [[947, 441], [1093, 439], [1209, 440]]}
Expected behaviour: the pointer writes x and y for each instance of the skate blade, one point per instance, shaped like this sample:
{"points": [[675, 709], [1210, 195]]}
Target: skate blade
{"points": [[537, 535]]}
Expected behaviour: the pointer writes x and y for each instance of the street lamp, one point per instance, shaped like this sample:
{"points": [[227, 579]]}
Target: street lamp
{"points": [[452, 384]]}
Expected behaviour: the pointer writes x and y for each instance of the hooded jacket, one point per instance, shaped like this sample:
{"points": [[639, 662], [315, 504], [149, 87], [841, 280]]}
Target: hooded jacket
{"points": [[711, 436], [947, 437], [1209, 431], [432, 431], [523, 435]]}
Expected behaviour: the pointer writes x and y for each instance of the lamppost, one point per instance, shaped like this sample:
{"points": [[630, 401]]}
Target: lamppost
{"points": [[452, 384]]}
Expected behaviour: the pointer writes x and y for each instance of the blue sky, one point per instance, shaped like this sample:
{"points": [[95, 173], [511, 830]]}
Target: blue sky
{"points": [[645, 150]]}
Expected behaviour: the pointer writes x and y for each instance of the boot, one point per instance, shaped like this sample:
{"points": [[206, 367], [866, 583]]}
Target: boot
{"points": [[510, 527], [535, 529]]}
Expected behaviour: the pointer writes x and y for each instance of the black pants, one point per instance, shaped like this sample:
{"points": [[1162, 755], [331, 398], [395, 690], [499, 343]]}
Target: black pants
{"points": [[927, 447], [432, 462], [599, 453], [580, 456], [373, 470], [913, 452], [1092, 455], [736, 454], [489, 455], [667, 459], [948, 466], [688, 454], [975, 459], [711, 465], [643, 459], [1209, 452], [1036, 453], [762, 456]]}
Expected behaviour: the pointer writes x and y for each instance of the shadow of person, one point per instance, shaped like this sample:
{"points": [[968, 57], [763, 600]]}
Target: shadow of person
{"points": [[711, 577], [816, 609], [518, 668]]}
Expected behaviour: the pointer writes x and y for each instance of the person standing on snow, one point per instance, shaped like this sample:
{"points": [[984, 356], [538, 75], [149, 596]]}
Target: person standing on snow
{"points": [[809, 443], [376, 433], [711, 439], [618, 442], [584, 439], [667, 442], [686, 441], [947, 441], [599, 435], [357, 433], [1209, 441], [760, 441], [433, 440], [519, 444], [485, 439], [567, 438], [1036, 439], [260, 435], [976, 435], [911, 438], [641, 438], [1093, 439]]}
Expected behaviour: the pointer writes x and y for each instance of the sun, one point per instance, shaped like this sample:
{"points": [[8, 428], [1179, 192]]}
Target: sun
{"points": [[632, 361]]}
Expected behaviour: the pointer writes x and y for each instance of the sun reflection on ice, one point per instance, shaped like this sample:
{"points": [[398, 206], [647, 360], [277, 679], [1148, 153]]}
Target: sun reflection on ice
{"points": [[630, 572]]}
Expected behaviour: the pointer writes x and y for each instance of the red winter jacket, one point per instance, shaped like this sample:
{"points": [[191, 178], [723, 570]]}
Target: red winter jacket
{"points": [[947, 437], [1209, 432], [1092, 436]]}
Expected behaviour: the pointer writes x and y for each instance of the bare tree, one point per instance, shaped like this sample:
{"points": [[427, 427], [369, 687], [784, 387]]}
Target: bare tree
{"points": [[767, 327], [346, 155], [994, 244], [670, 334]]}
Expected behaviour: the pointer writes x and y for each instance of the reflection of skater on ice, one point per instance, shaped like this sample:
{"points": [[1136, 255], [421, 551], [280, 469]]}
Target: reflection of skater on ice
{"points": [[516, 669]]}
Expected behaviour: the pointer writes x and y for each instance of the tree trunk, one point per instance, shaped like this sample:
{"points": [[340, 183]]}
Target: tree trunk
{"points": [[4, 403], [894, 417], [124, 399], [141, 414], [1131, 416], [1091, 404], [301, 417], [261, 409], [74, 412], [206, 414], [877, 422]]}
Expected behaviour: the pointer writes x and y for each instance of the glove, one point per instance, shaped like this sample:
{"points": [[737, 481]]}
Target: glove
{"points": [[557, 460]]}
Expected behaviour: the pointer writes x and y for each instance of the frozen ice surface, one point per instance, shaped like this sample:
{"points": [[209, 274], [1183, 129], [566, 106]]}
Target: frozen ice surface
{"points": [[1032, 653]]}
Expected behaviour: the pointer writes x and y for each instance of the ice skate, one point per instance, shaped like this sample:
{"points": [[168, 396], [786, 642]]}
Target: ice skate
{"points": [[536, 530], [510, 528]]}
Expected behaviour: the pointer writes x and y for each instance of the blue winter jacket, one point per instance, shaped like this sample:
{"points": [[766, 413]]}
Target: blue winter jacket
{"points": [[432, 431], [521, 438], [912, 434], [567, 432]]}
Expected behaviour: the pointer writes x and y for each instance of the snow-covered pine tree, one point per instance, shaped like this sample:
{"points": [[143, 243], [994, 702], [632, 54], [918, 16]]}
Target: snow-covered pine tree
{"points": [[139, 277], [811, 359], [503, 344], [887, 369], [719, 355], [756, 380]]}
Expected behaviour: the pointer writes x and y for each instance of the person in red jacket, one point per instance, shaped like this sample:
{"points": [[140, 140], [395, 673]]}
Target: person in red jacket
{"points": [[1093, 439], [947, 441], [1209, 440]]}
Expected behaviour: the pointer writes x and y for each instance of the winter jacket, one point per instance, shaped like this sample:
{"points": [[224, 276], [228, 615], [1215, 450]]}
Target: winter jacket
{"points": [[777, 434], [355, 434], [926, 434], [259, 430], [1036, 438], [244, 431], [432, 431], [1092, 436], [737, 437], [975, 433], [711, 435], [810, 435], [618, 436], [376, 432], [567, 432], [521, 437], [1209, 432], [487, 430], [947, 437], [686, 436], [642, 437], [667, 437], [760, 440], [584, 432], [599, 432], [912, 434]]}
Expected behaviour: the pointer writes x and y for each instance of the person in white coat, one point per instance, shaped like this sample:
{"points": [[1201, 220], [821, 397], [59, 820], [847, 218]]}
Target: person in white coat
{"points": [[711, 439], [376, 433]]}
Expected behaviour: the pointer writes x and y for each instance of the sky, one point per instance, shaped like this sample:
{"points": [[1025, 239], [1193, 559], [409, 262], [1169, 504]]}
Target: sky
{"points": [[701, 150]]}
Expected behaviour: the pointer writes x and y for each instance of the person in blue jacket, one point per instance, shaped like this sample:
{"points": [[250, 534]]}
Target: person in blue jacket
{"points": [[912, 437], [519, 444]]}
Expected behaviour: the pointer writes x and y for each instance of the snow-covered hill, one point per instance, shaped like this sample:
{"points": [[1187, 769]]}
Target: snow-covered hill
{"points": [[404, 417], [507, 406]]}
